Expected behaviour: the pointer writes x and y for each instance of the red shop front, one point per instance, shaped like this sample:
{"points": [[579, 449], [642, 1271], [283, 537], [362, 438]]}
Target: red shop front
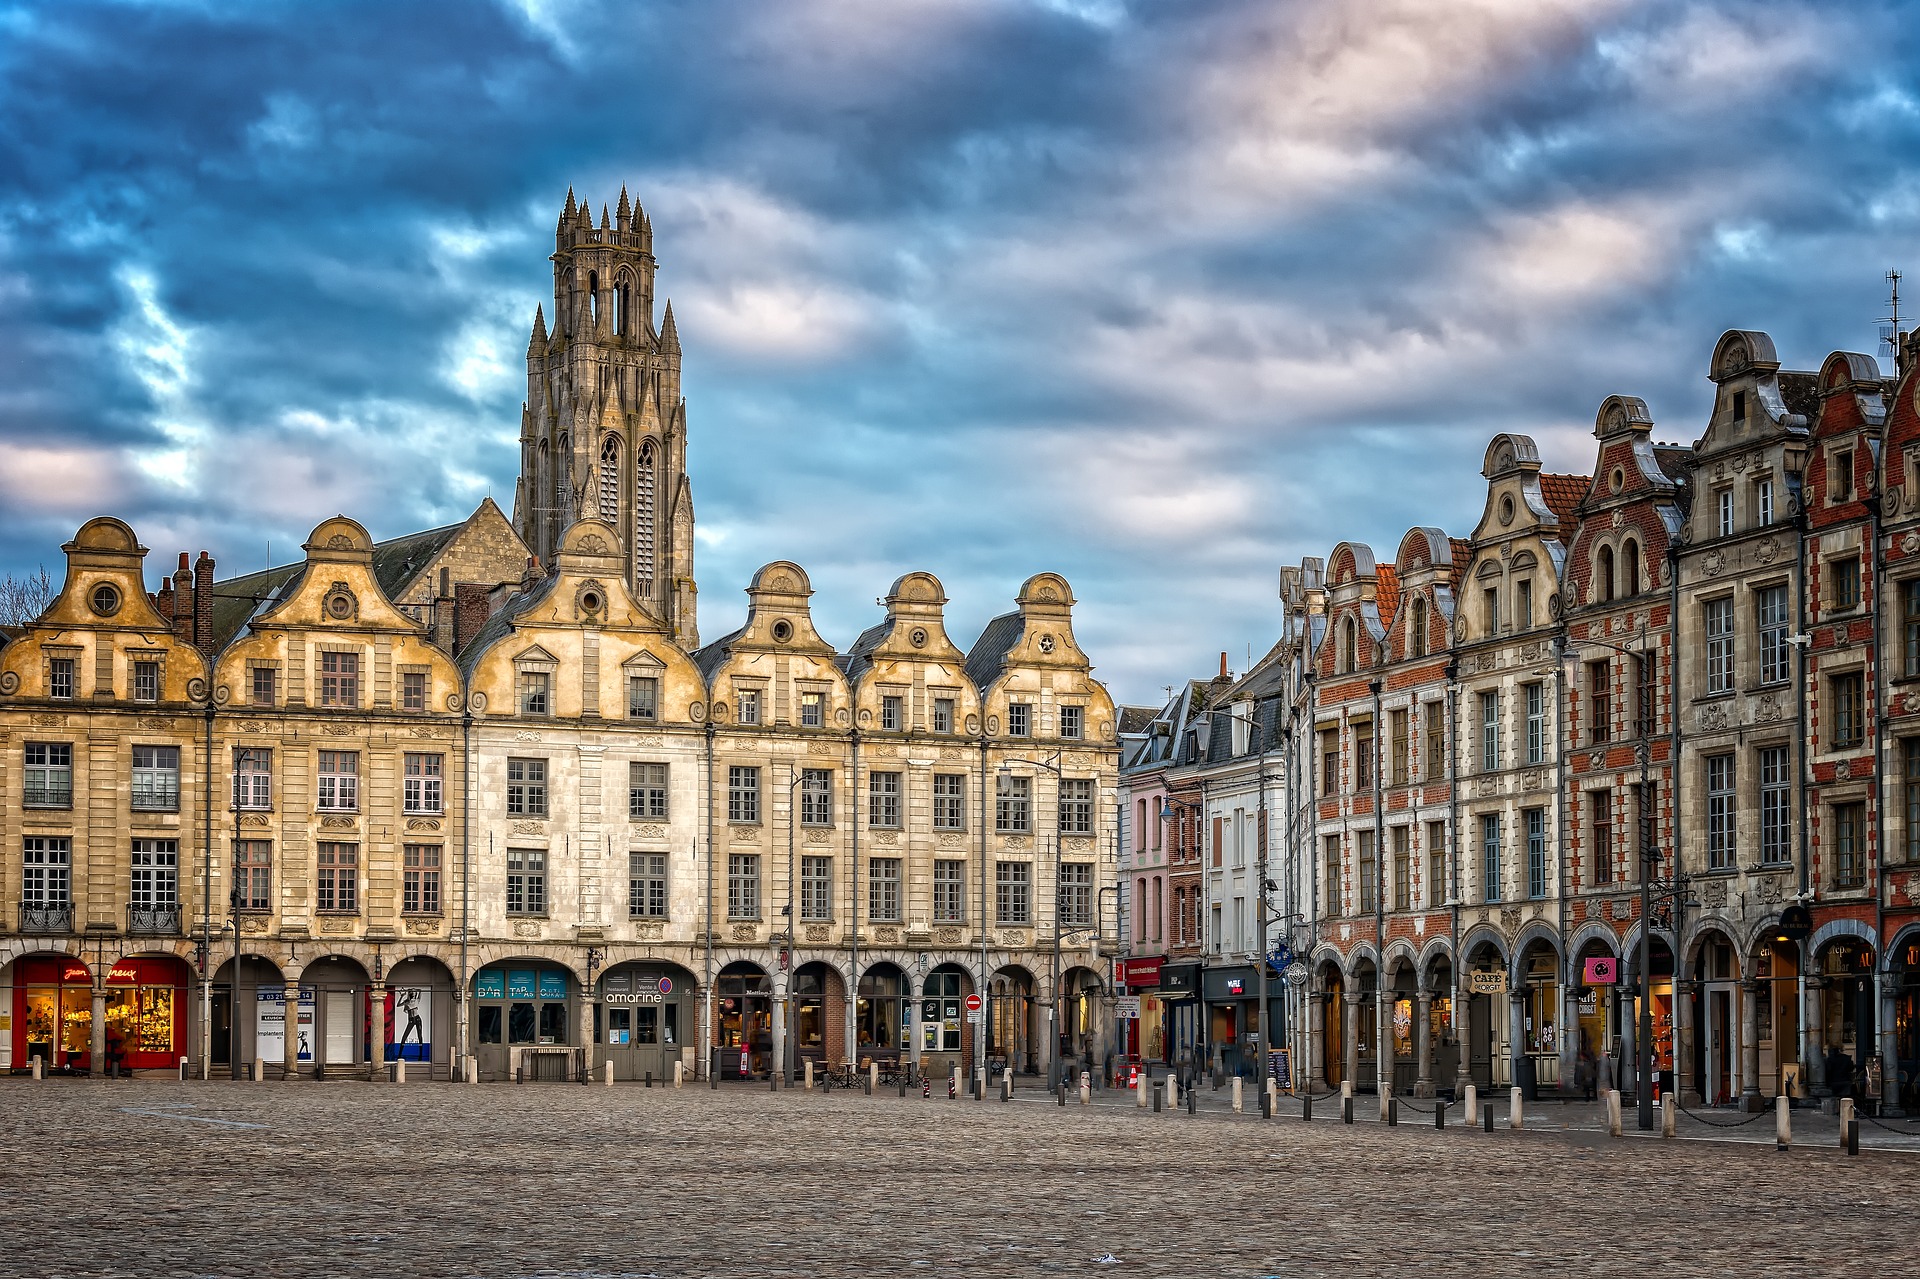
{"points": [[52, 1011], [147, 1012], [146, 1008]]}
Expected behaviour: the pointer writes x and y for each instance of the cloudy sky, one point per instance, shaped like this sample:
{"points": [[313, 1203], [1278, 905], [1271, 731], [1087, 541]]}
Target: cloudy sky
{"points": [[1157, 295]]}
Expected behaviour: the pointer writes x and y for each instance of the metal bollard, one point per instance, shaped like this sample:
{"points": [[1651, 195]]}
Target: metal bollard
{"points": [[610, 1075], [1060, 1094], [1845, 1110], [1193, 1101], [1486, 1117], [903, 1085], [1393, 1112], [1782, 1123], [713, 1070], [1157, 1090], [1306, 1108], [1439, 1113], [183, 1070], [773, 1081], [1266, 1104], [1346, 1109], [1853, 1136], [953, 1086]]}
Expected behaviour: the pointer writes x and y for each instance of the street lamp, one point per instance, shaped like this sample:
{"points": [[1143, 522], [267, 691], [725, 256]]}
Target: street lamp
{"points": [[786, 1066]]}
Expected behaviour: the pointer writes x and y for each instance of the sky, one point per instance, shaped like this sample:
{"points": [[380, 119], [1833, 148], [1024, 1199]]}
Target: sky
{"points": [[1159, 296]]}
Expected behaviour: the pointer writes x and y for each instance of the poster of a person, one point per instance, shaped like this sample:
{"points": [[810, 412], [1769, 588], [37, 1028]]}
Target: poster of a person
{"points": [[407, 1021]]}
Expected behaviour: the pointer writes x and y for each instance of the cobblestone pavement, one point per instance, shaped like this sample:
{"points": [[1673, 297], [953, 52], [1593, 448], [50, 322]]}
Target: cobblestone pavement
{"points": [[157, 1179]]}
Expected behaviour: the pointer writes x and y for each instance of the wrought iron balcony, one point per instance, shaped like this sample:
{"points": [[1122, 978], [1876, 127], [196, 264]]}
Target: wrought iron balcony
{"points": [[38, 794], [46, 919], [154, 921]]}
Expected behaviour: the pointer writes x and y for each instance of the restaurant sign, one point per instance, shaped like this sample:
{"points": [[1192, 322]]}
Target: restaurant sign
{"points": [[1487, 982]]}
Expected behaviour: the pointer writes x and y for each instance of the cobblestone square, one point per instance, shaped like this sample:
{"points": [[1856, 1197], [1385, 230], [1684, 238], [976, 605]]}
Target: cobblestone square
{"points": [[161, 1179]]}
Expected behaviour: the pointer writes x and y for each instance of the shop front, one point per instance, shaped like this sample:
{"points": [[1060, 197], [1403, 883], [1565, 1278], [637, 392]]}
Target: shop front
{"points": [[1010, 1022], [1905, 986], [146, 1013], [519, 1005], [1843, 996], [418, 1016], [52, 1013], [880, 1015], [1538, 1028], [1141, 1019], [645, 1009], [1233, 1019], [743, 1021], [1179, 994], [946, 1039]]}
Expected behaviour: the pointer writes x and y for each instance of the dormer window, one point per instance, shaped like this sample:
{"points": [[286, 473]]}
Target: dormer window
{"points": [[60, 678], [146, 681], [1071, 721], [1490, 609], [1763, 501], [1019, 719], [1630, 569], [536, 693], [1523, 603], [1349, 647], [1840, 477], [643, 697], [1417, 629], [890, 713], [1723, 513], [1739, 407], [813, 709], [1845, 576], [1603, 575], [749, 706], [339, 679]]}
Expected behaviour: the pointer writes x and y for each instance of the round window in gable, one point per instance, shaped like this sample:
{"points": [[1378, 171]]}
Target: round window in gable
{"points": [[918, 637], [590, 602], [782, 630], [105, 600], [1506, 510], [340, 606], [1617, 480]]}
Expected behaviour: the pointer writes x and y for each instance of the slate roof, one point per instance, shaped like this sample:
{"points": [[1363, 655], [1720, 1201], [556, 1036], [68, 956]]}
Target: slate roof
{"points": [[988, 656], [1673, 459], [395, 562], [1801, 392], [710, 658], [1133, 719], [856, 660]]}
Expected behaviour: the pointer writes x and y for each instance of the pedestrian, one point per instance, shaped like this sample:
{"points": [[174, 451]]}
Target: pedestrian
{"points": [[1586, 1070], [1839, 1072]]}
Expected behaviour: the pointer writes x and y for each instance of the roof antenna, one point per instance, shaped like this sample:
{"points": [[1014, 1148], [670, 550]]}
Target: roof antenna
{"points": [[1892, 338]]}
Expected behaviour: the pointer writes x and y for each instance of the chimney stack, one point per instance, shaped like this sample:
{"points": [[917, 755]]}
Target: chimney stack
{"points": [[182, 593], [203, 603]]}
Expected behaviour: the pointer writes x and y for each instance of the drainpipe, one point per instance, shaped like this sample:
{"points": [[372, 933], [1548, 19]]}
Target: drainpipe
{"points": [[1562, 736], [1380, 1080], [986, 1020], [853, 820], [1675, 776], [206, 904], [1890, 1069], [466, 881], [707, 1054], [1801, 766], [1309, 801], [1264, 1029], [1463, 1068]]}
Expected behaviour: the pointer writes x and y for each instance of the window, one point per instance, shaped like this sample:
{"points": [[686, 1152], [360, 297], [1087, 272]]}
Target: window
{"points": [[1848, 727], [816, 888], [1397, 762], [943, 714], [1600, 823], [949, 892], [1417, 628], [339, 679], [1718, 616], [1844, 574], [1630, 568], [1436, 742], [46, 879], [1599, 702], [1523, 603], [1776, 820], [1739, 406], [1329, 761], [1770, 618], [1363, 757], [813, 709], [1840, 482], [253, 874], [413, 690], [646, 792], [1367, 871], [1330, 875], [883, 799], [1489, 731], [1720, 839], [610, 460], [1013, 892], [643, 519], [156, 779], [643, 697], [1849, 846], [338, 888], [1490, 857], [156, 874], [1723, 513], [527, 787], [339, 781], [1910, 623], [252, 778], [1603, 574], [743, 794], [49, 775], [422, 777], [1012, 804], [646, 885], [1536, 723], [1349, 647], [883, 889], [536, 693], [1076, 894], [146, 681], [1019, 719], [1536, 819], [1912, 778], [1437, 887], [1076, 806], [1071, 720], [749, 706], [890, 713], [526, 881], [1646, 818], [265, 679], [816, 797], [949, 801], [1643, 695], [420, 879], [1402, 868], [1763, 501], [60, 678]]}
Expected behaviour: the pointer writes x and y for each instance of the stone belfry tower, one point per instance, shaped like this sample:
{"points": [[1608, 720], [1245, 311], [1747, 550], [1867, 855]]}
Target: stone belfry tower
{"points": [[603, 433]]}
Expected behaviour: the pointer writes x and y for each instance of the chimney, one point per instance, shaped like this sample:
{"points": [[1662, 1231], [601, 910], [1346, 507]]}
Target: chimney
{"points": [[472, 606], [203, 603], [441, 629], [163, 602], [182, 593], [1224, 677]]}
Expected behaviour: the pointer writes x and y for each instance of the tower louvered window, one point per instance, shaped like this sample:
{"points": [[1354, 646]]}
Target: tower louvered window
{"points": [[610, 480], [643, 519]]}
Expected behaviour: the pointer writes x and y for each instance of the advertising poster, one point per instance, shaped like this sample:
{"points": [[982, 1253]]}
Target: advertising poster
{"points": [[270, 1024], [304, 1044], [520, 984], [410, 1023], [491, 984]]}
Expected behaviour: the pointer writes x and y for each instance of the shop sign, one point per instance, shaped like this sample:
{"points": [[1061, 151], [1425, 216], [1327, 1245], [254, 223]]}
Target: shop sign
{"points": [[303, 1046], [270, 1024], [622, 998], [1482, 982], [1236, 986], [1127, 1007], [520, 983], [491, 984], [552, 986], [1143, 971], [1796, 921], [1179, 977], [1600, 970], [1280, 1067]]}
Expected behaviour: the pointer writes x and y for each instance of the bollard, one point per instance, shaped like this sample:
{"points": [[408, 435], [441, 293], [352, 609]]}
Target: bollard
{"points": [[773, 1081], [1140, 1086], [808, 1085], [1439, 1113], [1237, 1107], [608, 1073], [1386, 1098], [38, 1071], [1486, 1117], [926, 1088], [1157, 1090], [873, 1076], [259, 1070], [1060, 1094], [1193, 1101], [1266, 1104], [1516, 1112], [1472, 1103], [1173, 1092], [679, 1074], [1782, 1123], [649, 1076], [713, 1070], [1346, 1108], [1853, 1135], [1613, 1112], [1346, 1088], [1006, 1086], [183, 1070], [1273, 1095], [1306, 1108], [953, 1086], [400, 1070], [1393, 1112], [1845, 1109], [1669, 1116], [473, 1069]]}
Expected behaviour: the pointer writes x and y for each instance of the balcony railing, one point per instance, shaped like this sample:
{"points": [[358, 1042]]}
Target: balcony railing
{"points": [[48, 794], [154, 921], [159, 796], [46, 919]]}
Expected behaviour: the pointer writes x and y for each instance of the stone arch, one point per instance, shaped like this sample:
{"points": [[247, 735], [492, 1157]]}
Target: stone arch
{"points": [[1834, 929], [1590, 932], [1436, 951], [1741, 350], [1484, 935], [1534, 933]]}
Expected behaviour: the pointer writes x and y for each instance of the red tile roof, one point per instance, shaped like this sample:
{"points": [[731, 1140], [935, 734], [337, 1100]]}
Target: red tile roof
{"points": [[1462, 552], [1563, 494], [1386, 592]]}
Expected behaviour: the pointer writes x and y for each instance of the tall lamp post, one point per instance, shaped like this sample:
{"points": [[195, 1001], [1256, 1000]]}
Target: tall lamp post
{"points": [[1167, 806], [787, 1050], [1053, 1006]]}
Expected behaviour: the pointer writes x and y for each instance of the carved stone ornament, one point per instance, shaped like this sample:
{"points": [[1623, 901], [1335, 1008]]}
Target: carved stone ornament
{"points": [[822, 748], [886, 750], [340, 542], [948, 936], [650, 931], [817, 933], [1769, 889], [817, 835], [526, 735], [592, 544], [1554, 606], [337, 925], [255, 924], [1619, 515], [866, 717], [255, 820], [1713, 719], [952, 752], [1769, 549], [158, 723], [50, 721], [746, 932], [745, 834], [973, 723], [1714, 895], [527, 828], [1076, 844], [339, 823], [1012, 939], [1713, 563], [222, 695], [781, 582], [1842, 637], [424, 730], [338, 730], [9, 682], [1843, 771], [253, 726], [1767, 709], [1488, 661], [1910, 543], [422, 823], [1622, 908], [197, 689], [886, 839], [650, 831], [423, 927], [1460, 629], [1530, 651], [479, 703], [1510, 919], [697, 712], [1740, 463], [993, 724], [952, 840], [1015, 843], [526, 928]]}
